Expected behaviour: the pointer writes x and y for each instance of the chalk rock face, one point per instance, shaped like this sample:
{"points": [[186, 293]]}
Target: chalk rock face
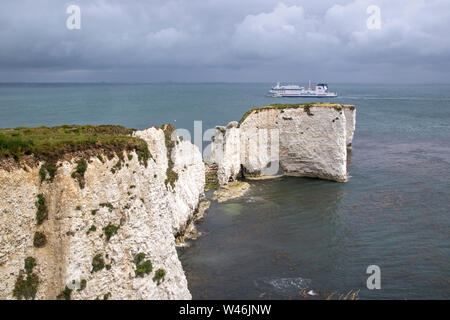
{"points": [[350, 124], [184, 198], [226, 147], [145, 213], [302, 140]]}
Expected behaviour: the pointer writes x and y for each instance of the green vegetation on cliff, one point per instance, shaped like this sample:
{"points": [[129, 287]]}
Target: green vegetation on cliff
{"points": [[110, 230], [78, 174], [306, 106], [50, 144], [65, 294], [211, 181], [171, 175], [26, 284], [97, 263], [159, 276], [42, 211], [142, 267], [39, 240]]}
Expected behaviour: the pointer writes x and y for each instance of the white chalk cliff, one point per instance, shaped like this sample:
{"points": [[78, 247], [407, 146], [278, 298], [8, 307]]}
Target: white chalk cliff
{"points": [[113, 235], [137, 199], [308, 140]]}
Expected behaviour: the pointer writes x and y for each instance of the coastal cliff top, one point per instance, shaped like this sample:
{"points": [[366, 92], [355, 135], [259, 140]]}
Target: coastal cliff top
{"points": [[336, 106], [51, 144]]}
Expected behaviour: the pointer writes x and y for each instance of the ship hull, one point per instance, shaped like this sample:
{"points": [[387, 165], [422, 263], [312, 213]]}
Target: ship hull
{"points": [[307, 96], [302, 96]]}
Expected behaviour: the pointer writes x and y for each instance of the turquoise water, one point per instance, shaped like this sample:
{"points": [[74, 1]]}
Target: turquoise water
{"points": [[291, 234]]}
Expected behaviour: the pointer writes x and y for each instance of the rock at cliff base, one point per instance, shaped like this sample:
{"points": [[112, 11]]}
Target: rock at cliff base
{"points": [[233, 190]]}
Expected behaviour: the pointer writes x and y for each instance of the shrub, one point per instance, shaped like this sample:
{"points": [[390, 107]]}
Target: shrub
{"points": [[142, 267], [110, 230], [30, 263], [159, 276], [171, 175], [139, 258], [83, 283], [42, 212], [65, 294], [92, 229], [78, 174], [117, 166], [26, 287], [107, 205], [97, 263], [50, 169], [39, 240], [42, 173]]}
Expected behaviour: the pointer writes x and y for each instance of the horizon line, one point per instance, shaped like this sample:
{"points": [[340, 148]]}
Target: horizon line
{"points": [[208, 82]]}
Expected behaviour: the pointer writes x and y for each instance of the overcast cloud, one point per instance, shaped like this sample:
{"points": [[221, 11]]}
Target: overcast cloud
{"points": [[225, 40]]}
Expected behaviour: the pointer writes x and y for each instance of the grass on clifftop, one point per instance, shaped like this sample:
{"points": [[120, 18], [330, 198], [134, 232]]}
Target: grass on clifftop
{"points": [[51, 143], [295, 106]]}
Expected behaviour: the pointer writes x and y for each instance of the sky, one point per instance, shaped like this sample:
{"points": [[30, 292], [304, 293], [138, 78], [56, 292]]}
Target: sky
{"points": [[225, 41]]}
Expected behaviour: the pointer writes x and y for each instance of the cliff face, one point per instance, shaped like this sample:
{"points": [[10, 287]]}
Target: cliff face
{"points": [[113, 238], [225, 147], [298, 140], [350, 125]]}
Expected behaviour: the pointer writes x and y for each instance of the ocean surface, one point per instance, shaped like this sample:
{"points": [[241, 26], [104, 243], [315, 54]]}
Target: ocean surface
{"points": [[292, 235]]}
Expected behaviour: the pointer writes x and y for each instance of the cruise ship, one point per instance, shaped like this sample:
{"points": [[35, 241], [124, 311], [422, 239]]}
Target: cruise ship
{"points": [[318, 91]]}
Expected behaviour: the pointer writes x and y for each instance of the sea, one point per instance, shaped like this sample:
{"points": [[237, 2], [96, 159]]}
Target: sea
{"points": [[296, 238]]}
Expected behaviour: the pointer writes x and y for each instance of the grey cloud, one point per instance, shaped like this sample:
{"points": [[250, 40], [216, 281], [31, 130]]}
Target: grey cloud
{"points": [[224, 40]]}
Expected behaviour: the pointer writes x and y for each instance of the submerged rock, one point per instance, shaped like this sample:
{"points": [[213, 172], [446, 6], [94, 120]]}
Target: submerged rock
{"points": [[190, 232], [261, 177], [233, 190]]}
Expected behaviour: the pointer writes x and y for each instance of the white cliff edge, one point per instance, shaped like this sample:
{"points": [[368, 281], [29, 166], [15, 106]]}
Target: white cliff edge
{"points": [[293, 140], [148, 211]]}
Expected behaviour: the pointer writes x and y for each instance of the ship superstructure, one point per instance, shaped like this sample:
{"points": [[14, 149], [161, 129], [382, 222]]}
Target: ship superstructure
{"points": [[317, 91]]}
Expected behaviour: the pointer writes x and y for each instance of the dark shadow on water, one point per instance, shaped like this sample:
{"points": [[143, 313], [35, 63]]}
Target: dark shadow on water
{"points": [[267, 240]]}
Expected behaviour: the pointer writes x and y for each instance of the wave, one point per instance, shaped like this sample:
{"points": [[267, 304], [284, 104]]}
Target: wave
{"points": [[283, 286], [394, 98]]}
